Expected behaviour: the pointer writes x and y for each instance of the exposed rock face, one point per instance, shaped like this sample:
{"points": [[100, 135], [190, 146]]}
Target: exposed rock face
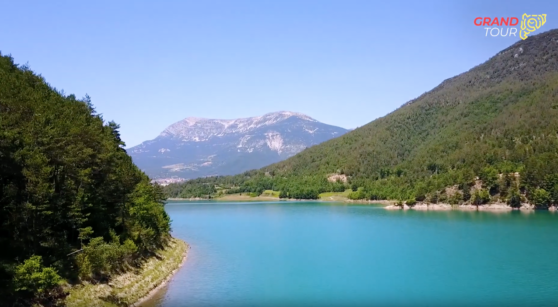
{"points": [[197, 147], [337, 177]]}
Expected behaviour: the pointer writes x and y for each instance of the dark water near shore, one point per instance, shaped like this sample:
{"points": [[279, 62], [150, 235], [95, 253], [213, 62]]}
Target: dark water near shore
{"points": [[326, 254]]}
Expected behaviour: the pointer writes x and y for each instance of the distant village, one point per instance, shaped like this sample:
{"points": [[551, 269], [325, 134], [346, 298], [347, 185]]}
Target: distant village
{"points": [[167, 181]]}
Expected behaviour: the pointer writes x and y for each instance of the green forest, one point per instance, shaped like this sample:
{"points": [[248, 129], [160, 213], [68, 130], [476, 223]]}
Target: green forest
{"points": [[487, 135], [73, 206]]}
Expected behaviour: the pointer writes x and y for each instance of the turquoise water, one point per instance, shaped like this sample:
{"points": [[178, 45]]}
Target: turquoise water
{"points": [[326, 254]]}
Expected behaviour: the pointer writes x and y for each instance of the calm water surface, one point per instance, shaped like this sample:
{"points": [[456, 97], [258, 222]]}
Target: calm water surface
{"points": [[327, 254]]}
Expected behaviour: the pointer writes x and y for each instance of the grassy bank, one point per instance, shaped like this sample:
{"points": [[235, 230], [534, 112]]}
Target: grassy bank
{"points": [[336, 196], [268, 195], [131, 287]]}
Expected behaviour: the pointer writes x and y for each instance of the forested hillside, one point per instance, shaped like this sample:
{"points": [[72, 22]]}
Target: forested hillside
{"points": [[73, 206], [497, 122]]}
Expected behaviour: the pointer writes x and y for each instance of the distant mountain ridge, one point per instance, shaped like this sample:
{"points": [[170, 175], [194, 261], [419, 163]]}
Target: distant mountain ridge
{"points": [[197, 147]]}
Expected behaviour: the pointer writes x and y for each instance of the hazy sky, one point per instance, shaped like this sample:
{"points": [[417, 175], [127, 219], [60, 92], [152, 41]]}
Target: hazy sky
{"points": [[148, 64]]}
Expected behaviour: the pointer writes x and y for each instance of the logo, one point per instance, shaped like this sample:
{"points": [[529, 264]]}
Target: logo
{"points": [[506, 25], [530, 23]]}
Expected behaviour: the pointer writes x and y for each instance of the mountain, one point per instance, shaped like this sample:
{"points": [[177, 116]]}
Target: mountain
{"points": [[197, 147], [498, 118]]}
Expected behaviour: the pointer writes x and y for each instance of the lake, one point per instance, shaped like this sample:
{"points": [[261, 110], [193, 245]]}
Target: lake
{"points": [[334, 254]]}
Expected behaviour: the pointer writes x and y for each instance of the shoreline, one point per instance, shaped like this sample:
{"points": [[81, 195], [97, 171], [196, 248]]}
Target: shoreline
{"points": [[135, 286], [238, 199], [165, 281], [270, 199], [388, 204], [494, 207]]}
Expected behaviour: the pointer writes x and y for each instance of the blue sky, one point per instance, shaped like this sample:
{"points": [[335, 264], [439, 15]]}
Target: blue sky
{"points": [[148, 64]]}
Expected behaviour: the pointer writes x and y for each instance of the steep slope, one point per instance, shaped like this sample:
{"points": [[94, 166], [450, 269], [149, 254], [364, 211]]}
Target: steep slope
{"points": [[466, 119], [499, 117], [71, 200], [197, 147]]}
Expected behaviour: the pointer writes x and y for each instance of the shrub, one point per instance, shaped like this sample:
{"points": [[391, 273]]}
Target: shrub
{"points": [[466, 192], [456, 198], [34, 279], [489, 177], [411, 202], [541, 198], [100, 258], [338, 187], [359, 194], [433, 198], [481, 197], [514, 199]]}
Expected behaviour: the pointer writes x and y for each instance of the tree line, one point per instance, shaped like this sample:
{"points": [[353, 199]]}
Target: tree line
{"points": [[73, 205]]}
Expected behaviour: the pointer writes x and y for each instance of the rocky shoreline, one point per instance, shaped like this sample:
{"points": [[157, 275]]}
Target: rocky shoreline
{"points": [[363, 201], [495, 207], [392, 205]]}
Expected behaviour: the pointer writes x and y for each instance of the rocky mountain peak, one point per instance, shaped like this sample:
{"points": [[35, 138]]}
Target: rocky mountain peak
{"points": [[198, 129], [198, 146]]}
